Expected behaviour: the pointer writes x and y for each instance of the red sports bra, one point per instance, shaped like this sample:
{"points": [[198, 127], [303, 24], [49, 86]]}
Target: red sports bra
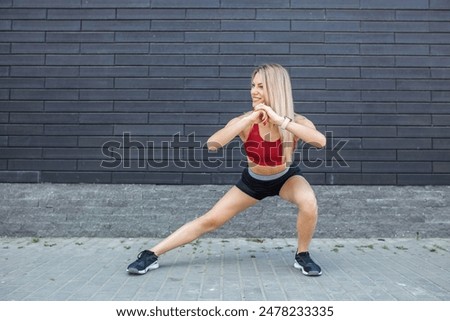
{"points": [[263, 152]]}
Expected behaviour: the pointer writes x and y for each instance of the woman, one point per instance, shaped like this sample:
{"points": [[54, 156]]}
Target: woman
{"points": [[269, 132]]}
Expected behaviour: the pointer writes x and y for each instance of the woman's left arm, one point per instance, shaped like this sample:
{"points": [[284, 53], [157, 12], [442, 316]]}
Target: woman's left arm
{"points": [[301, 127], [305, 130]]}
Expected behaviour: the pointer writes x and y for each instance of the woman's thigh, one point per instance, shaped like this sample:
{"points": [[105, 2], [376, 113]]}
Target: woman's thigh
{"points": [[298, 191], [231, 204]]}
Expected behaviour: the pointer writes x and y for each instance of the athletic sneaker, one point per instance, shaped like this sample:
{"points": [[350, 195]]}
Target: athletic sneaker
{"points": [[304, 262], [147, 260]]}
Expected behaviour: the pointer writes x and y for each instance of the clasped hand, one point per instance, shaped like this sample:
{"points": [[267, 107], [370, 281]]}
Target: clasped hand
{"points": [[264, 113]]}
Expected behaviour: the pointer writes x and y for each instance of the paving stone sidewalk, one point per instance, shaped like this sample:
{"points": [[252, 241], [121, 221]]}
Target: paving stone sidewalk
{"points": [[235, 269]]}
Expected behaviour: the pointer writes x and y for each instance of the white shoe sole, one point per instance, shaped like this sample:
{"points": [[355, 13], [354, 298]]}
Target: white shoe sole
{"points": [[152, 266], [298, 266]]}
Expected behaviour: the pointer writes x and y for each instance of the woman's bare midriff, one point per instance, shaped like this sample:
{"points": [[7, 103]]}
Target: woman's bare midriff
{"points": [[266, 170]]}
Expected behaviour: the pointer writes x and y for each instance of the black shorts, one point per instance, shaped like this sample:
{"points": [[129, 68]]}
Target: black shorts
{"points": [[260, 189]]}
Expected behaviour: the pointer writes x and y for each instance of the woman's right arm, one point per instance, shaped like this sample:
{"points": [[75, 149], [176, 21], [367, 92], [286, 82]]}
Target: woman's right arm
{"points": [[234, 128]]}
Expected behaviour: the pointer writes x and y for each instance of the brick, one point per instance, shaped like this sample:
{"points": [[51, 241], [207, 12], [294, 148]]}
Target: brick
{"points": [[261, 4], [441, 96], [363, 131], [398, 95], [328, 95], [396, 119], [115, 25], [292, 60], [219, 14], [423, 179], [184, 71], [4, 48], [186, 25], [433, 132], [361, 107], [184, 4], [83, 37], [184, 94], [67, 130], [13, 36], [254, 48], [394, 26], [39, 165], [23, 14], [300, 25], [360, 179], [42, 141], [327, 49], [441, 143], [113, 118], [73, 153], [81, 14], [219, 60], [43, 118], [151, 14], [148, 129], [294, 36], [183, 48], [149, 60], [360, 37], [361, 84], [429, 155], [360, 14], [22, 48], [69, 83], [363, 61], [423, 84], [114, 48], [75, 177], [146, 178], [22, 106], [439, 4], [115, 4], [325, 72], [255, 25], [5, 25], [23, 59], [79, 106], [443, 120], [21, 83], [422, 38], [46, 25], [113, 71], [21, 153], [397, 143], [19, 177], [397, 167], [443, 50], [47, 4], [395, 72], [441, 167], [83, 60], [289, 14], [394, 4], [32, 71], [221, 36], [388, 49], [43, 94], [153, 83], [115, 94]]}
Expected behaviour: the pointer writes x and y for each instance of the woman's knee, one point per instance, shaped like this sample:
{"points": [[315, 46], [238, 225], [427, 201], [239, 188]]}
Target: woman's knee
{"points": [[307, 204], [208, 222]]}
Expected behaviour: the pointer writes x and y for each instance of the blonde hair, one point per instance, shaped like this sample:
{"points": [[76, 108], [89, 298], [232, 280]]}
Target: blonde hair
{"points": [[278, 89]]}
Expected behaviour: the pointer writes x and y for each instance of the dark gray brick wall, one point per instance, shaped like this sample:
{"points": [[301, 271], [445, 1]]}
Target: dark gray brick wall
{"points": [[129, 91]]}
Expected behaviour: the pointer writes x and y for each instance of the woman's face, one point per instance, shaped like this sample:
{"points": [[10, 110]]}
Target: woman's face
{"points": [[258, 91]]}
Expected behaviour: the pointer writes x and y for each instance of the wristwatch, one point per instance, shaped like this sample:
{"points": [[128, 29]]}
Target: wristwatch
{"points": [[285, 122]]}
